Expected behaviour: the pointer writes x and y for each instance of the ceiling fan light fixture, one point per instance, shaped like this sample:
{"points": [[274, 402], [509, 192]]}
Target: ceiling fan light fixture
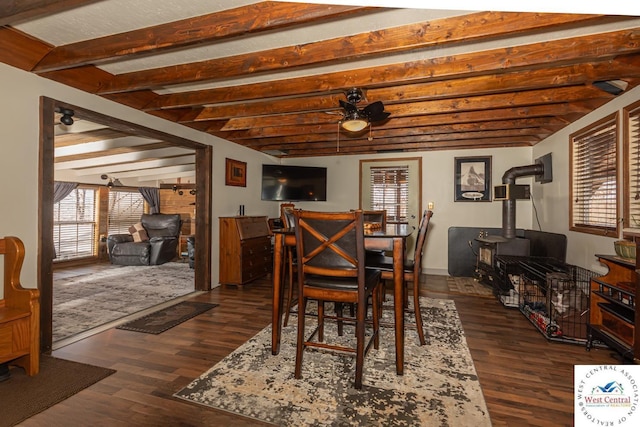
{"points": [[354, 123]]}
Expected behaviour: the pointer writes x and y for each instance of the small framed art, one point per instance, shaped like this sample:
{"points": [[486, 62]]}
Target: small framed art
{"points": [[236, 173], [472, 179]]}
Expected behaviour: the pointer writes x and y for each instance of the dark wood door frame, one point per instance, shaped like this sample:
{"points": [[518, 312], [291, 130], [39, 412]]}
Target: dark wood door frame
{"points": [[204, 163]]}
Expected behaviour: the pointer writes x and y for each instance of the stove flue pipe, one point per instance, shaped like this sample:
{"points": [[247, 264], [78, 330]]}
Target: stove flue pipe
{"points": [[509, 206]]}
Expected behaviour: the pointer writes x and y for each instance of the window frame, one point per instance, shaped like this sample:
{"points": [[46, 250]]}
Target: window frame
{"points": [[94, 223], [133, 219], [397, 204], [631, 142], [610, 228]]}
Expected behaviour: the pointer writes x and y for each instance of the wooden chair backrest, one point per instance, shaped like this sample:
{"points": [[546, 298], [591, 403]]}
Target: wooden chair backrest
{"points": [[330, 243], [286, 214], [421, 240]]}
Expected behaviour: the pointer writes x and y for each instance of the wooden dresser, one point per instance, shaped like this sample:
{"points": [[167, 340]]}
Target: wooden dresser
{"points": [[245, 249], [613, 314]]}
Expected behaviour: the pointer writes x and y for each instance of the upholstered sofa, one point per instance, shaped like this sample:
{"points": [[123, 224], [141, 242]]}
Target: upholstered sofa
{"points": [[153, 241]]}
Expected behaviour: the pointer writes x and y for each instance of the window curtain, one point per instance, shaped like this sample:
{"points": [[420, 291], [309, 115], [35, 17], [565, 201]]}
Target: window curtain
{"points": [[151, 195], [61, 190]]}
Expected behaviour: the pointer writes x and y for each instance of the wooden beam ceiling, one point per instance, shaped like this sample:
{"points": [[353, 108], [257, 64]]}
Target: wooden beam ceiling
{"points": [[474, 80]]}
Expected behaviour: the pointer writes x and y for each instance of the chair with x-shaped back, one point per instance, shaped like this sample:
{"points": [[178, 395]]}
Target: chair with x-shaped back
{"points": [[331, 268]]}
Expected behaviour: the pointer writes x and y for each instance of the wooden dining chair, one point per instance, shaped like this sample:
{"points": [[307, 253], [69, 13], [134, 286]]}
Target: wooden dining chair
{"points": [[411, 271], [286, 216], [331, 268]]}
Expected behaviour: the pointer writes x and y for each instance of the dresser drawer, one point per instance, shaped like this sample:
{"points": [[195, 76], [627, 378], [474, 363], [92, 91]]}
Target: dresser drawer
{"points": [[255, 272], [256, 247]]}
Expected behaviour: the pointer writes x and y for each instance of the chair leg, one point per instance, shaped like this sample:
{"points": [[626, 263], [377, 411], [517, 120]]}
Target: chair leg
{"points": [[339, 308], [376, 308], [320, 321], [302, 305], [416, 309], [289, 261], [361, 312], [382, 297]]}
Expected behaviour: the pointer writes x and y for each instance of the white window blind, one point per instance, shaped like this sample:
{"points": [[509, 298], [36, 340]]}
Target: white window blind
{"points": [[594, 176], [74, 225], [390, 191], [632, 165], [125, 209]]}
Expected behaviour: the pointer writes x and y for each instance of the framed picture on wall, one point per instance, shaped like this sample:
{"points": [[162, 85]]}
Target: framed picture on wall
{"points": [[472, 179], [236, 173]]}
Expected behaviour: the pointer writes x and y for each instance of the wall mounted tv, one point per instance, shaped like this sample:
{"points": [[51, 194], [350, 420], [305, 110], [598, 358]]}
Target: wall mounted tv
{"points": [[294, 183]]}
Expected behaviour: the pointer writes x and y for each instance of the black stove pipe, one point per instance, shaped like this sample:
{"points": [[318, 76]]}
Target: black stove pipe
{"points": [[509, 206]]}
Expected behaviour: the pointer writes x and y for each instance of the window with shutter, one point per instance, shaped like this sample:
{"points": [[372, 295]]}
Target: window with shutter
{"points": [[632, 165], [594, 178], [125, 209], [390, 191], [74, 225]]}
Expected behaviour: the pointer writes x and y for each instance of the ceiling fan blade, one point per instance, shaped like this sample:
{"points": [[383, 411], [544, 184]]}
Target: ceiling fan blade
{"points": [[348, 107], [375, 111], [379, 117]]}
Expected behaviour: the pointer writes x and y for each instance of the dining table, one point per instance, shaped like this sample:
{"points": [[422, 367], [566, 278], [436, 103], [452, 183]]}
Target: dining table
{"points": [[391, 238]]}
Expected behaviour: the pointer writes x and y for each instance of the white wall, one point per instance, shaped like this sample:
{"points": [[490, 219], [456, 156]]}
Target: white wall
{"points": [[554, 196], [19, 142], [437, 187]]}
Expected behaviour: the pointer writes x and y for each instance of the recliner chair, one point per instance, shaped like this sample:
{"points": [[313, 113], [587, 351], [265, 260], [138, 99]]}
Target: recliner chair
{"points": [[163, 232], [191, 250]]}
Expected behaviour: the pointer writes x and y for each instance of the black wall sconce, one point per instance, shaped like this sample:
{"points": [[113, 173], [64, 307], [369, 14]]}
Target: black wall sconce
{"points": [[67, 116]]}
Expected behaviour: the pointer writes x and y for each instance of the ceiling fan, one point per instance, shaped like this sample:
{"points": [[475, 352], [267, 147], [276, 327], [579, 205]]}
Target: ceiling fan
{"points": [[356, 119]]}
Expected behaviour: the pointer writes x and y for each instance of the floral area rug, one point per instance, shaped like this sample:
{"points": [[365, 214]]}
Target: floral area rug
{"points": [[85, 302], [439, 386]]}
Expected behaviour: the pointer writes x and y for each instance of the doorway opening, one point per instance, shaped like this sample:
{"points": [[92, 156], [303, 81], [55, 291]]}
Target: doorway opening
{"points": [[49, 109]]}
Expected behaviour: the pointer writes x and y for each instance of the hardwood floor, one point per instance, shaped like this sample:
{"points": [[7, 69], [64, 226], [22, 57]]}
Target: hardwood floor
{"points": [[526, 380]]}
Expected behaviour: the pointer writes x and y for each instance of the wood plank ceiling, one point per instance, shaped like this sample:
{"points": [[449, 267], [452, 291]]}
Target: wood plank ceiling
{"points": [[271, 75]]}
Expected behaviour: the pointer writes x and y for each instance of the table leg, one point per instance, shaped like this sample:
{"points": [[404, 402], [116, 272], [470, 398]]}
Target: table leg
{"points": [[276, 311], [398, 301]]}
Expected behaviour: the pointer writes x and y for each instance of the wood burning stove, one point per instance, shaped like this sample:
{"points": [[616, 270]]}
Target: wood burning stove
{"points": [[489, 248]]}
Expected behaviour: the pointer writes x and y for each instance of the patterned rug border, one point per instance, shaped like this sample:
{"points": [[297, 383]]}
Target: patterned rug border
{"points": [[157, 322], [440, 385]]}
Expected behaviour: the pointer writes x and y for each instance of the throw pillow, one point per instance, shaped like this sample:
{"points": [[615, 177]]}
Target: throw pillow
{"points": [[138, 232]]}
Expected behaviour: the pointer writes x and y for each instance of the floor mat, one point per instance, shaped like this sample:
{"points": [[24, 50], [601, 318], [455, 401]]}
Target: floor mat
{"points": [[167, 318]]}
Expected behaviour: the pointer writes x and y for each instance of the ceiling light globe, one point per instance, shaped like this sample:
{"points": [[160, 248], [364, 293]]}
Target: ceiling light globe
{"points": [[354, 125]]}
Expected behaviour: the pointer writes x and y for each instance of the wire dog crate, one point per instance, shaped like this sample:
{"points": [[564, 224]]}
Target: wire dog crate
{"points": [[555, 298]]}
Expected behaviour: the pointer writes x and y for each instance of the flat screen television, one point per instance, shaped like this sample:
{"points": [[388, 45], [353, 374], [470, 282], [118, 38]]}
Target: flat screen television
{"points": [[294, 183]]}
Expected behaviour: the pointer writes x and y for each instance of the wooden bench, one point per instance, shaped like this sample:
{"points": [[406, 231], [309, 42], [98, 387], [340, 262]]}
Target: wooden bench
{"points": [[19, 312]]}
